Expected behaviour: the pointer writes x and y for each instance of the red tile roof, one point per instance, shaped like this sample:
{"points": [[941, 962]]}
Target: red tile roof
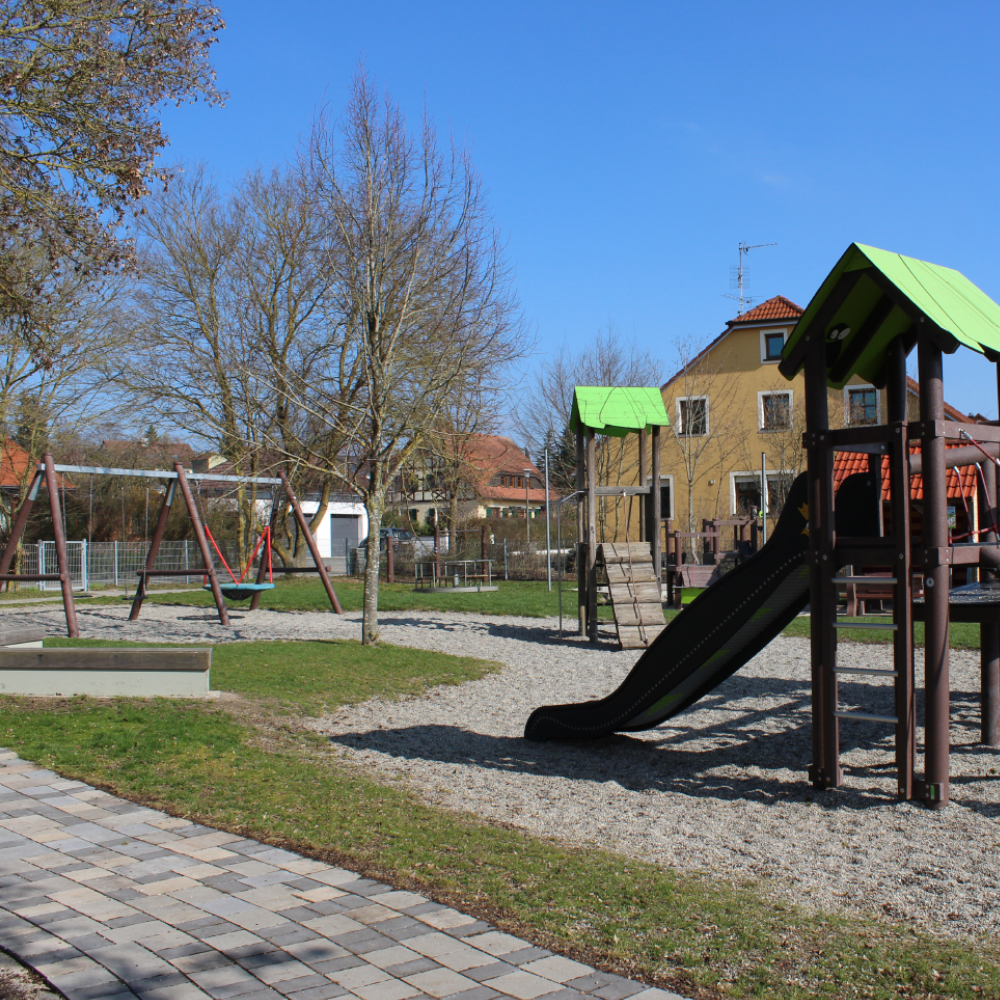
{"points": [[773, 309], [489, 455], [960, 481], [14, 461]]}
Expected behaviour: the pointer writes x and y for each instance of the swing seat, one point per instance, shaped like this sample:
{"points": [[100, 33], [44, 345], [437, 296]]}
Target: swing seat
{"points": [[240, 591]]}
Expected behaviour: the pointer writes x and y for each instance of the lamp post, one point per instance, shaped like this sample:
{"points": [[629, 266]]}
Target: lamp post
{"points": [[527, 512]]}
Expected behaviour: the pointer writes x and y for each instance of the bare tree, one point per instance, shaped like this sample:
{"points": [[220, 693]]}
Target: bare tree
{"points": [[543, 417], [231, 286], [81, 84], [420, 290], [706, 421], [59, 389]]}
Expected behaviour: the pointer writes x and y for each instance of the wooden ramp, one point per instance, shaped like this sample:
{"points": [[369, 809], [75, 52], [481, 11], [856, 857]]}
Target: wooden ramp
{"points": [[635, 592]]}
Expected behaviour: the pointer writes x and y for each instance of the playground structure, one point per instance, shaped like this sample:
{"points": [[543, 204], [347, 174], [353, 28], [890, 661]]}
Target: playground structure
{"points": [[46, 473], [869, 313], [616, 412]]}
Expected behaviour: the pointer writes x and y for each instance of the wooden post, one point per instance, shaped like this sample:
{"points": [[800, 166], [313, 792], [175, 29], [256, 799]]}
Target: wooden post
{"points": [[154, 548], [656, 515], [199, 534], [390, 562], [484, 546], [645, 507], [311, 542], [581, 541], [19, 522], [62, 559], [937, 573], [437, 545], [989, 632], [591, 535], [825, 771]]}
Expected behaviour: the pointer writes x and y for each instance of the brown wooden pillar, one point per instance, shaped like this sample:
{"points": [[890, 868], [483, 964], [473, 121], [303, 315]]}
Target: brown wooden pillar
{"points": [[581, 543], [154, 548], [825, 771], [989, 632], [656, 514], [645, 506], [199, 534], [19, 523], [65, 580], [937, 572], [300, 520], [591, 535]]}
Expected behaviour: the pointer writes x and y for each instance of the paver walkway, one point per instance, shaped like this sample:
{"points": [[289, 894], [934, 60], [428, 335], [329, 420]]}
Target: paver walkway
{"points": [[109, 899]]}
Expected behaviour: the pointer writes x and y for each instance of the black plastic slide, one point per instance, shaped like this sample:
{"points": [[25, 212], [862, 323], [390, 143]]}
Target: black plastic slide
{"points": [[708, 641]]}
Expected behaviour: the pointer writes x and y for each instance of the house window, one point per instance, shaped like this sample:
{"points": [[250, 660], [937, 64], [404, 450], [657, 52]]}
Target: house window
{"points": [[747, 494], [862, 405], [772, 342], [775, 410], [692, 416]]}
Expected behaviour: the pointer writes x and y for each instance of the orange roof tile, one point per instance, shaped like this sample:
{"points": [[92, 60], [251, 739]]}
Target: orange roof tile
{"points": [[961, 482], [14, 461], [773, 309]]}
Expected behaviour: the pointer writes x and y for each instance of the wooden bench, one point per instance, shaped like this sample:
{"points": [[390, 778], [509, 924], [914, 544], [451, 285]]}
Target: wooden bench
{"points": [[170, 672]]}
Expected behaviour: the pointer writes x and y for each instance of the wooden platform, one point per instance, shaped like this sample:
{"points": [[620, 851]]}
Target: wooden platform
{"points": [[635, 592]]}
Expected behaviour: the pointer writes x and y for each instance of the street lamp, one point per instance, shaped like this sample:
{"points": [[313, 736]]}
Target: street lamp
{"points": [[527, 512]]}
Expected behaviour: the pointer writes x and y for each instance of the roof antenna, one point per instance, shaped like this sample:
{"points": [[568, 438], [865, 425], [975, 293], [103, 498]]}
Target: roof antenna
{"points": [[738, 276]]}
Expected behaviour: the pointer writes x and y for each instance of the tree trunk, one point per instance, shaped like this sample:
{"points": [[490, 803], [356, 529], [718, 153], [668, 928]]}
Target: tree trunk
{"points": [[369, 620]]}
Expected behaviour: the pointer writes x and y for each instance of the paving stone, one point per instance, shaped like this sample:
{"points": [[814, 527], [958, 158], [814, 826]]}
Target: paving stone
{"points": [[522, 985], [561, 970], [492, 971], [328, 991], [479, 993], [619, 990], [526, 955], [175, 910]]}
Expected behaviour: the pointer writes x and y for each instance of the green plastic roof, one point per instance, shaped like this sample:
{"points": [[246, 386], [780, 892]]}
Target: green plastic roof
{"points": [[617, 411], [884, 302]]}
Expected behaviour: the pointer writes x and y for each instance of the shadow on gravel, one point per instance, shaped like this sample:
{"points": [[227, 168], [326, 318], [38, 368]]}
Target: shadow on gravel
{"points": [[542, 634], [727, 759]]}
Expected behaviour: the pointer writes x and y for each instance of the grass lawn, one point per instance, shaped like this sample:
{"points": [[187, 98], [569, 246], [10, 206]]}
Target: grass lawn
{"points": [[529, 599], [292, 789]]}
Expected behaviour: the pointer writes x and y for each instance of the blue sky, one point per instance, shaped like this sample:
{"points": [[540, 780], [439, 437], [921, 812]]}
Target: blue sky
{"points": [[629, 148]]}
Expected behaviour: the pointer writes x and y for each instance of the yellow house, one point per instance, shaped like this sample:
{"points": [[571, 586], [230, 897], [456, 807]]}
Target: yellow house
{"points": [[731, 414]]}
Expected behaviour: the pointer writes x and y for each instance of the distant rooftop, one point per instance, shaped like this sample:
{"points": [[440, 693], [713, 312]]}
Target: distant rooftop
{"points": [[778, 308]]}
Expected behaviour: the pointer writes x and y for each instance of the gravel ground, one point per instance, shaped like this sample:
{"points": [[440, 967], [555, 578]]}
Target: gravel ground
{"points": [[721, 789]]}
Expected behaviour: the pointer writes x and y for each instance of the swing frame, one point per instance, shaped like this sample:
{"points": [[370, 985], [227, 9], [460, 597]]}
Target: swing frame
{"points": [[45, 473]]}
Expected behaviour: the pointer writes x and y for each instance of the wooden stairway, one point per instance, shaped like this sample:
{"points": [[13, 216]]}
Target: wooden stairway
{"points": [[635, 592]]}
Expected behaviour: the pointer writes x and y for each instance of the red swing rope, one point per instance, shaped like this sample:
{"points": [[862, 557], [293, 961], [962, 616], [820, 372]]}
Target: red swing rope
{"points": [[266, 533]]}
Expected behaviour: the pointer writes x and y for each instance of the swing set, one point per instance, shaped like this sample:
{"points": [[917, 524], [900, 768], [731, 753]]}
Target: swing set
{"points": [[238, 590]]}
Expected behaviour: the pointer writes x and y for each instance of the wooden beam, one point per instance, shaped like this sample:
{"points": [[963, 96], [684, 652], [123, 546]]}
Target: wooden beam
{"points": [[861, 339], [817, 328]]}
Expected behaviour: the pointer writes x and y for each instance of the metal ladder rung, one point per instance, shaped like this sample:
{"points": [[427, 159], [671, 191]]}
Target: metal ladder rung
{"points": [[885, 628], [865, 670], [885, 581], [868, 717]]}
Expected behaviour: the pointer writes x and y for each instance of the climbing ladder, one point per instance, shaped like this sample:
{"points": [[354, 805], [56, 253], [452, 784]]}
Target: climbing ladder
{"points": [[635, 592]]}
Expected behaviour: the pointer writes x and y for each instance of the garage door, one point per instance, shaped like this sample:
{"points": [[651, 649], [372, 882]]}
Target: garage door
{"points": [[344, 526]]}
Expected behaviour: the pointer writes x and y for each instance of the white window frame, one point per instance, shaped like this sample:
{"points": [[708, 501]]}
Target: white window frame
{"points": [[760, 409], [669, 481], [769, 331], [680, 422], [754, 474], [848, 389]]}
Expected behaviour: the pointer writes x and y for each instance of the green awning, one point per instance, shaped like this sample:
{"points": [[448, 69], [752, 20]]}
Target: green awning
{"points": [[873, 296], [617, 411]]}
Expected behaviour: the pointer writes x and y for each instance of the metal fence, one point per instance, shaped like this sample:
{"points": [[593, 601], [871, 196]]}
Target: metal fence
{"points": [[116, 564]]}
